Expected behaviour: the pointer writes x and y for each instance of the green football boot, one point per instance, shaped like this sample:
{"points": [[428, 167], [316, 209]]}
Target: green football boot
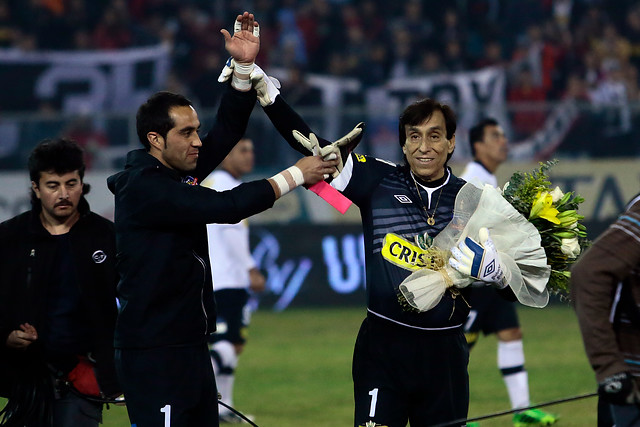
{"points": [[533, 417]]}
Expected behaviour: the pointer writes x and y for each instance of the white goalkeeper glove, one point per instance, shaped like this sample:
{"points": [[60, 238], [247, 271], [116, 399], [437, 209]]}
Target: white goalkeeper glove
{"points": [[313, 145], [480, 260], [266, 86], [340, 149]]}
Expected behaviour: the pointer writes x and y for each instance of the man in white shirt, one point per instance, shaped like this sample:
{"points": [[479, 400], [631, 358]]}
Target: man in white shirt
{"points": [[490, 313], [234, 274]]}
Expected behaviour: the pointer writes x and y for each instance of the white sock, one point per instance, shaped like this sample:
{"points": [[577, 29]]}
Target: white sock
{"points": [[224, 361], [225, 388], [511, 364]]}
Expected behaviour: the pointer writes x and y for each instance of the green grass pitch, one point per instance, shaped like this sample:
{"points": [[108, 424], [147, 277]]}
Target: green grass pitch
{"points": [[296, 369]]}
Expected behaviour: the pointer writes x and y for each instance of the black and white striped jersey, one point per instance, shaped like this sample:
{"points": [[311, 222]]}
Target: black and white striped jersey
{"points": [[393, 214]]}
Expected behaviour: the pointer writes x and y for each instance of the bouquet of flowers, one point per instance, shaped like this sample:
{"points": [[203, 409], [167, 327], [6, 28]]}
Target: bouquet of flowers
{"points": [[555, 216], [536, 230]]}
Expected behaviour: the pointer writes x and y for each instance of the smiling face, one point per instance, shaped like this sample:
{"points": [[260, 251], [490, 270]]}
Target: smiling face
{"points": [[427, 148], [59, 195], [179, 150]]}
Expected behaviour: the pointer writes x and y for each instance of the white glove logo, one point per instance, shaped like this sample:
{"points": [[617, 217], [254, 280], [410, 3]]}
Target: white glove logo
{"points": [[480, 261]]}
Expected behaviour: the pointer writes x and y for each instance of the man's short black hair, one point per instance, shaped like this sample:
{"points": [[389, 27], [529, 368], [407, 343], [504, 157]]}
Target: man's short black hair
{"points": [[153, 115], [422, 110], [476, 133], [59, 156]]}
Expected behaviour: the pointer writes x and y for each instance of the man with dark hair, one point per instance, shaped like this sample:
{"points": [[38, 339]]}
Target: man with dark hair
{"points": [[57, 298], [166, 294], [491, 313], [408, 365]]}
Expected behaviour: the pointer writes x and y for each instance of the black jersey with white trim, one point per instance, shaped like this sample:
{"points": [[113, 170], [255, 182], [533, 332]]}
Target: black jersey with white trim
{"points": [[389, 205]]}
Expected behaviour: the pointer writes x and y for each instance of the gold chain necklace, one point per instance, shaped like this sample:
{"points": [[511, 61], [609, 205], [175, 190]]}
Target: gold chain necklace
{"points": [[430, 218]]}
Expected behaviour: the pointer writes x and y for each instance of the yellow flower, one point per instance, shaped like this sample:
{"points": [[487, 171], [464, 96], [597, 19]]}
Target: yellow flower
{"points": [[543, 208]]}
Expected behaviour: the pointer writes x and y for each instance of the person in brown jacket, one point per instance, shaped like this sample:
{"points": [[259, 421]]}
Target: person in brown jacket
{"points": [[605, 290]]}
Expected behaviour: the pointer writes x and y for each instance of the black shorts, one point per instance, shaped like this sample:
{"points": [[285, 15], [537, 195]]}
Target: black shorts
{"points": [[490, 312], [402, 374], [174, 384], [234, 316]]}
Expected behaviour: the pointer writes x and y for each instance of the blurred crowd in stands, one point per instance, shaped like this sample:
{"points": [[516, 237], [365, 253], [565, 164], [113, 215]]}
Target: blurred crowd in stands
{"points": [[588, 50], [581, 48]]}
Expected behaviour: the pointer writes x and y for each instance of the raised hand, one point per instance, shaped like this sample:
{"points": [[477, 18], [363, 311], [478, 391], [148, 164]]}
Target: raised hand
{"points": [[244, 45]]}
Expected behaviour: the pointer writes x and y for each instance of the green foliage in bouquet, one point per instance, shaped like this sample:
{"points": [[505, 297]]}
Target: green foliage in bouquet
{"points": [[555, 215]]}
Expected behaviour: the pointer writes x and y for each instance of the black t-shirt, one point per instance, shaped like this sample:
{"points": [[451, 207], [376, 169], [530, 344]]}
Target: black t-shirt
{"points": [[67, 331]]}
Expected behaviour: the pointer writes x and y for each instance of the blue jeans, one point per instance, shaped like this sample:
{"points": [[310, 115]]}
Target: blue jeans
{"points": [[626, 415], [71, 410]]}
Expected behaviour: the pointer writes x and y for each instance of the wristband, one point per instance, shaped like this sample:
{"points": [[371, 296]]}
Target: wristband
{"points": [[297, 175], [244, 68], [242, 85], [288, 179]]}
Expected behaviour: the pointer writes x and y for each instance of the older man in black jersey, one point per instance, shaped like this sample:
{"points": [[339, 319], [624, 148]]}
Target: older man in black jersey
{"points": [[408, 366]]}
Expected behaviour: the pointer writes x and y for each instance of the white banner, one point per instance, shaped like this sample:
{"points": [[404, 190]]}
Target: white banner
{"points": [[82, 81]]}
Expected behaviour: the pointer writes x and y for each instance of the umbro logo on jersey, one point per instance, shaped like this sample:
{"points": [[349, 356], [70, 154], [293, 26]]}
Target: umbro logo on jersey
{"points": [[402, 198]]}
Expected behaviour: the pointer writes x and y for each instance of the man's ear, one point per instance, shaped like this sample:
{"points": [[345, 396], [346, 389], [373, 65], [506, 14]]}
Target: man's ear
{"points": [[155, 140], [35, 188], [452, 144]]}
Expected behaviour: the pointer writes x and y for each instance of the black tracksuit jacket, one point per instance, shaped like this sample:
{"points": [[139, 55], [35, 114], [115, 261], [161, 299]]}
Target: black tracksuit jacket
{"points": [[27, 257], [166, 290]]}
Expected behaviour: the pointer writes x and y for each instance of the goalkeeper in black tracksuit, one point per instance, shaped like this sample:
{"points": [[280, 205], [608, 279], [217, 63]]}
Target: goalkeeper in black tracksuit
{"points": [[408, 366]]}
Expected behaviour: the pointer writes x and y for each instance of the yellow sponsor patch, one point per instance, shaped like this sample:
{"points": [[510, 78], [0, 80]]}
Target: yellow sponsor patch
{"points": [[360, 158], [409, 256], [402, 253]]}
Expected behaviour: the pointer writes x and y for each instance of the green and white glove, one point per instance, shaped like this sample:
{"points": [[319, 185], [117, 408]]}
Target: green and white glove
{"points": [[480, 260], [266, 86], [339, 149]]}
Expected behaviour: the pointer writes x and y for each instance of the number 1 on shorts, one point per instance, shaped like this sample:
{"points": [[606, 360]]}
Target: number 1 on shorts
{"points": [[374, 400], [167, 415]]}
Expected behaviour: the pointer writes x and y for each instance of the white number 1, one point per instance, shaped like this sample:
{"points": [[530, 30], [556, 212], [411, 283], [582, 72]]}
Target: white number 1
{"points": [[167, 415], [374, 400]]}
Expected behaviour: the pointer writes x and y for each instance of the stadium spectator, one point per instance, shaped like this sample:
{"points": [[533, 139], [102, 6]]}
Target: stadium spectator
{"points": [[57, 298], [8, 30], [235, 276], [527, 99]]}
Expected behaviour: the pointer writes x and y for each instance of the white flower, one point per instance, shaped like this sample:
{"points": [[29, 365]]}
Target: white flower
{"points": [[570, 247], [556, 195]]}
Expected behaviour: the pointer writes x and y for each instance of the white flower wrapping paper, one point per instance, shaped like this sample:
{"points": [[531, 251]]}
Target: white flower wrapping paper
{"points": [[517, 241]]}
